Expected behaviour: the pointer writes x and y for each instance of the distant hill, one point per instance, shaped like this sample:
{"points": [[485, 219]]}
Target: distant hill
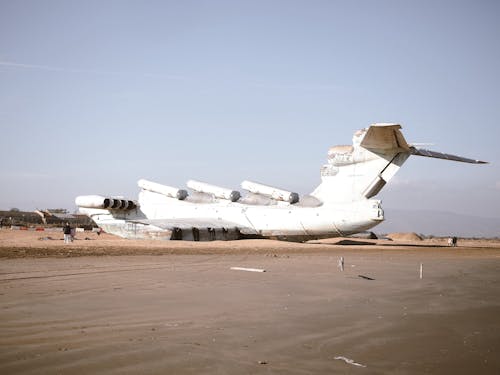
{"points": [[438, 223]]}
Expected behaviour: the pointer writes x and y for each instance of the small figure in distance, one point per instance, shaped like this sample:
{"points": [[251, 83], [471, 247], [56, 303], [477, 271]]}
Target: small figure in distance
{"points": [[454, 241], [99, 231], [67, 233]]}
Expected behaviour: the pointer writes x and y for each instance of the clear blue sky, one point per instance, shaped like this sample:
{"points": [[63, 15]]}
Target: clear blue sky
{"points": [[97, 94]]}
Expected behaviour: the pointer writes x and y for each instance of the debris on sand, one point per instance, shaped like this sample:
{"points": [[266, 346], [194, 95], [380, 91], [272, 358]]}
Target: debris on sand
{"points": [[365, 236], [366, 277], [349, 361], [412, 236], [47, 238], [248, 269]]}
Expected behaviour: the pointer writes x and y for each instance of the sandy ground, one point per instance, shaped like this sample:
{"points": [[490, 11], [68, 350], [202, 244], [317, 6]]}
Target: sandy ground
{"points": [[176, 307]]}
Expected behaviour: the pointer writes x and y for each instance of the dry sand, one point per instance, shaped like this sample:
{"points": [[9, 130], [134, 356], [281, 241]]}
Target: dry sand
{"points": [[177, 308], [404, 237]]}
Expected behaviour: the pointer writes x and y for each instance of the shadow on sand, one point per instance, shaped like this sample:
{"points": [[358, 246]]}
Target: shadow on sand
{"points": [[349, 242]]}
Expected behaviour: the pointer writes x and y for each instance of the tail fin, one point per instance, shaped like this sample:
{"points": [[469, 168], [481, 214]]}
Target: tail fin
{"points": [[361, 171]]}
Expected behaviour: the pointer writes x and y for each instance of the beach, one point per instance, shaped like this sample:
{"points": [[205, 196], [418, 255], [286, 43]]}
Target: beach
{"points": [[107, 305]]}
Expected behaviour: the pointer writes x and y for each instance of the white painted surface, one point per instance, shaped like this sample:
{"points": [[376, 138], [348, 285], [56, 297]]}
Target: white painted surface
{"points": [[248, 269]]}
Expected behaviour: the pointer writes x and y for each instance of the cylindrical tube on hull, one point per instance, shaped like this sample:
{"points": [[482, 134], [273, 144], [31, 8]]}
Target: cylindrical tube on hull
{"points": [[274, 193], [169, 191], [97, 201], [92, 201], [217, 191]]}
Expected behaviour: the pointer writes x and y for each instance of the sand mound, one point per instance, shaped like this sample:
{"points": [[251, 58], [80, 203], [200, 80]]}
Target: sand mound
{"points": [[404, 236]]}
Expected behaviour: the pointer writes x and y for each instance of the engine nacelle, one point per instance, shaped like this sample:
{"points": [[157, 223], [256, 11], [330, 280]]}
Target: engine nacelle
{"points": [[168, 191], [274, 193], [98, 201], [217, 191]]}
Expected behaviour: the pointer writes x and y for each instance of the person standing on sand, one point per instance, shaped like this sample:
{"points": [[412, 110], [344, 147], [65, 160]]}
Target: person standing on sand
{"points": [[67, 233]]}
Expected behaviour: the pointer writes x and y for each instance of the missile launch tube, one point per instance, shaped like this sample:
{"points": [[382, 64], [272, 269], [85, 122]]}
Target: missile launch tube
{"points": [[217, 191], [274, 193], [90, 201], [169, 191]]}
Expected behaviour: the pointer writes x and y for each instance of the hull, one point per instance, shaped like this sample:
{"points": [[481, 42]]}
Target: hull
{"points": [[289, 223]]}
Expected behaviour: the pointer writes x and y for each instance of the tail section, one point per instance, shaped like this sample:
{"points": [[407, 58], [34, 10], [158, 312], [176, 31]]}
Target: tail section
{"points": [[360, 171]]}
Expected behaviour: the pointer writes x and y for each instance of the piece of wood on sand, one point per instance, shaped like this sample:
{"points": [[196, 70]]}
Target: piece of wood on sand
{"points": [[248, 269]]}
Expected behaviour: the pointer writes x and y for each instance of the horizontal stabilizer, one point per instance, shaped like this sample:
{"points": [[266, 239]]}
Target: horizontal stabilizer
{"points": [[440, 155], [382, 138]]}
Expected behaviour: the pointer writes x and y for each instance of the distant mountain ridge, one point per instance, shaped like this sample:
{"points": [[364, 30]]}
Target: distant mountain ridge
{"points": [[438, 223]]}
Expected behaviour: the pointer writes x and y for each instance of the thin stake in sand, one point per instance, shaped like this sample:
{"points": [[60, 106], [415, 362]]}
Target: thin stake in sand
{"points": [[421, 271], [341, 263]]}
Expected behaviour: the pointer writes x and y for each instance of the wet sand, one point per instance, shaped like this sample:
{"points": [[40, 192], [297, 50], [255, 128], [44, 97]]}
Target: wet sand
{"points": [[178, 308]]}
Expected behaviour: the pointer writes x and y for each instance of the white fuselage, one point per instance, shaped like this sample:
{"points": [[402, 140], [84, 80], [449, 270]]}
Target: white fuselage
{"points": [[281, 220], [340, 205]]}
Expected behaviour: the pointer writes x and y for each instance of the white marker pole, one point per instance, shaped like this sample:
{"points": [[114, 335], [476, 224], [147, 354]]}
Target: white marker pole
{"points": [[341, 264], [421, 271]]}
